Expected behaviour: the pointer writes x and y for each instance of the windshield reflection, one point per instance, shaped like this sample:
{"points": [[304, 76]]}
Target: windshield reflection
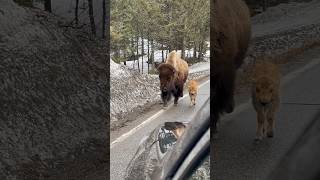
{"points": [[152, 149]]}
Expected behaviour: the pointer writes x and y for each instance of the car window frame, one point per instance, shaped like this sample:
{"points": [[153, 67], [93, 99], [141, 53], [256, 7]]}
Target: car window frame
{"points": [[194, 158]]}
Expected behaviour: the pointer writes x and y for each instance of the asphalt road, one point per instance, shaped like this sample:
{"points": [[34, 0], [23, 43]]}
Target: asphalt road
{"points": [[236, 154], [124, 147]]}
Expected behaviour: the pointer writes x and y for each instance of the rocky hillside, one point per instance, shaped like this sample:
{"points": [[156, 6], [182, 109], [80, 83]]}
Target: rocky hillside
{"points": [[53, 97], [284, 28]]}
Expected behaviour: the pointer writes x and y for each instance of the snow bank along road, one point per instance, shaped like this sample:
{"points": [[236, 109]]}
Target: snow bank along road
{"points": [[124, 146]]}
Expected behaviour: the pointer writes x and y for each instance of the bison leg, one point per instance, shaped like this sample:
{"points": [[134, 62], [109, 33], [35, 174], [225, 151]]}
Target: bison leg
{"points": [[214, 120], [176, 100], [179, 88], [165, 98], [165, 103]]}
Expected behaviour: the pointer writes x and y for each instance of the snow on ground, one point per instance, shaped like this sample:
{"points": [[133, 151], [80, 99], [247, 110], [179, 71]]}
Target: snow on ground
{"points": [[130, 91], [157, 57], [198, 67]]}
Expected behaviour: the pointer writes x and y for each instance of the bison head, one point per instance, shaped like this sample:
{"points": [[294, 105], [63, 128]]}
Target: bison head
{"points": [[166, 76]]}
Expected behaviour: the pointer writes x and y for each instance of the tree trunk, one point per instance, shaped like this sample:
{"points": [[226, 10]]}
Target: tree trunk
{"points": [[107, 21], [195, 51], [91, 17], [103, 18], [132, 49], [152, 53], [134, 57], [162, 53], [199, 51], [182, 49], [47, 5], [76, 12], [148, 52], [142, 51], [138, 52]]}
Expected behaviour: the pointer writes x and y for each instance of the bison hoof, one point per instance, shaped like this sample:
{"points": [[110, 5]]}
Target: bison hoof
{"points": [[215, 130], [270, 134], [258, 138], [229, 107]]}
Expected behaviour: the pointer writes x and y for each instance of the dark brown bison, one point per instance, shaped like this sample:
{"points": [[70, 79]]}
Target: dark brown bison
{"points": [[172, 74], [230, 36]]}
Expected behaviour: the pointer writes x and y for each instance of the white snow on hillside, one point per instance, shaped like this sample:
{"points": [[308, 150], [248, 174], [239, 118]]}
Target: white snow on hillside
{"points": [[157, 57]]}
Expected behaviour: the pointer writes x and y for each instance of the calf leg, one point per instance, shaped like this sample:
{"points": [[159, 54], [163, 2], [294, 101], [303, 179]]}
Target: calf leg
{"points": [[270, 124], [260, 125], [191, 102]]}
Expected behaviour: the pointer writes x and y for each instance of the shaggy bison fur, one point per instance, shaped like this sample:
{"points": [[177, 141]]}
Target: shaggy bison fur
{"points": [[172, 74], [230, 36], [265, 97]]}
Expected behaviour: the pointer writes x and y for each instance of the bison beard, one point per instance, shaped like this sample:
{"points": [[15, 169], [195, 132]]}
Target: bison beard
{"points": [[230, 36]]}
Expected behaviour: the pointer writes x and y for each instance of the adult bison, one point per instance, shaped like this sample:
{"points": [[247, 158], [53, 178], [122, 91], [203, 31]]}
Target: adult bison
{"points": [[230, 36], [172, 74]]}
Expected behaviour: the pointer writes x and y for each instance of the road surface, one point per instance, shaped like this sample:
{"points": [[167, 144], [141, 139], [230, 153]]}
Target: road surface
{"points": [[124, 146], [236, 154]]}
